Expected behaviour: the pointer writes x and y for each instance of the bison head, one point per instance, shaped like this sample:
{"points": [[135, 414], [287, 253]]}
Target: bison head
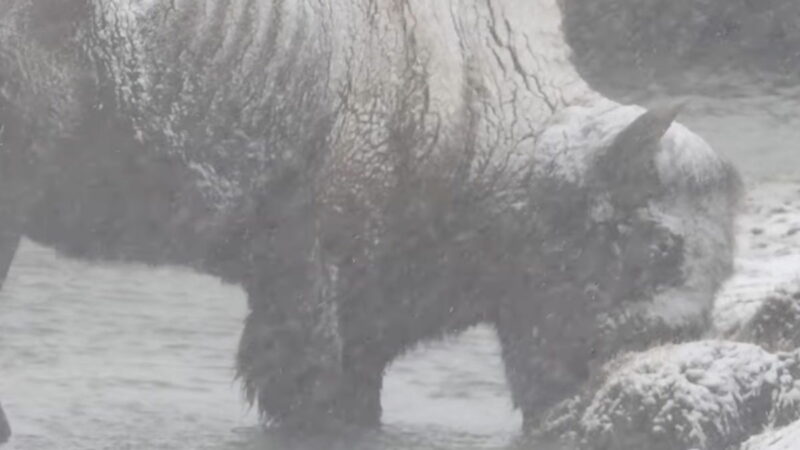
{"points": [[634, 218]]}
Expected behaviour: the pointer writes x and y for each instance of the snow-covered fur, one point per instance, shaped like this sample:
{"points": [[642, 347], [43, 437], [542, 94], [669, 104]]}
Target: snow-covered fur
{"points": [[774, 325], [373, 173], [635, 224]]}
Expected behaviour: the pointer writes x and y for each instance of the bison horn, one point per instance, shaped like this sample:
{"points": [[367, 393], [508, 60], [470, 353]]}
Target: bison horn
{"points": [[645, 132], [628, 167]]}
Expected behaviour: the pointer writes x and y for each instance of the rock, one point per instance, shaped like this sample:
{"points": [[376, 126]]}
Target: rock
{"points": [[776, 323], [700, 395]]}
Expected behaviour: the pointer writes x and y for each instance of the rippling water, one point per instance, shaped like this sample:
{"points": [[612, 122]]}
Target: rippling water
{"points": [[130, 357]]}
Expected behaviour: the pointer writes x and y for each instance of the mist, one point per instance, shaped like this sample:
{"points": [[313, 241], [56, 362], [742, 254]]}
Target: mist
{"points": [[374, 224]]}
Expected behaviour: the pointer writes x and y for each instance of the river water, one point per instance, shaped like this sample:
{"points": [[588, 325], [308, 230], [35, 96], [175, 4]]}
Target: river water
{"points": [[131, 357]]}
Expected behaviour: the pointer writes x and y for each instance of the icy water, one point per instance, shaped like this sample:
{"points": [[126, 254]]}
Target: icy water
{"points": [[130, 357]]}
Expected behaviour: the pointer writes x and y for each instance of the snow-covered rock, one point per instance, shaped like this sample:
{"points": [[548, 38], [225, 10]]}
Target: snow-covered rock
{"points": [[786, 438], [775, 325], [700, 395]]}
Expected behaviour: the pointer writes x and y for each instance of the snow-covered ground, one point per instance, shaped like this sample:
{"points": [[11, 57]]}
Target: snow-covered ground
{"points": [[761, 302], [768, 254]]}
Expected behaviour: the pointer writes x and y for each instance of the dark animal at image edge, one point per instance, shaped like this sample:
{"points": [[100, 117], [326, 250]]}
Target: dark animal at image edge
{"points": [[373, 175], [5, 428]]}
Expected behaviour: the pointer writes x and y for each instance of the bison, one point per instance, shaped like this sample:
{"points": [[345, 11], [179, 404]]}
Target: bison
{"points": [[373, 173]]}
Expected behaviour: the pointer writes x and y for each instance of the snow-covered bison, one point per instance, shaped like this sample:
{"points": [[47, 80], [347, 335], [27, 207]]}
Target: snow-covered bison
{"points": [[373, 173]]}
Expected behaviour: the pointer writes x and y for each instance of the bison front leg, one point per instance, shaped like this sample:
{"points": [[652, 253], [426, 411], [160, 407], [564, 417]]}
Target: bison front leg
{"points": [[358, 403], [543, 364], [290, 353]]}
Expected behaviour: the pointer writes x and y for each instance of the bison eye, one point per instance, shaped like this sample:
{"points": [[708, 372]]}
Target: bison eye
{"points": [[670, 244]]}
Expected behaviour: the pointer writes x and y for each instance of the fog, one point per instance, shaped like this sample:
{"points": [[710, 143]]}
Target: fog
{"points": [[375, 224]]}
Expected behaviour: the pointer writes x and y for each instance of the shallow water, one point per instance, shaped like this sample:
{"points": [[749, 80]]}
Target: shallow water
{"points": [[130, 357]]}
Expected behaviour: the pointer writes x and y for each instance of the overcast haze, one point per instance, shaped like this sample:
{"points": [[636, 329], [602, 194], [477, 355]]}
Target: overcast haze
{"points": [[414, 224]]}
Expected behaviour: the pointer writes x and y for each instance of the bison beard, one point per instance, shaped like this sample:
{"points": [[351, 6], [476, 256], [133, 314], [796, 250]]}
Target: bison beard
{"points": [[374, 174]]}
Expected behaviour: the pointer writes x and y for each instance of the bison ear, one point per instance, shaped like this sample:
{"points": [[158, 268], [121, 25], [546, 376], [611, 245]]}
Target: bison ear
{"points": [[628, 167]]}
